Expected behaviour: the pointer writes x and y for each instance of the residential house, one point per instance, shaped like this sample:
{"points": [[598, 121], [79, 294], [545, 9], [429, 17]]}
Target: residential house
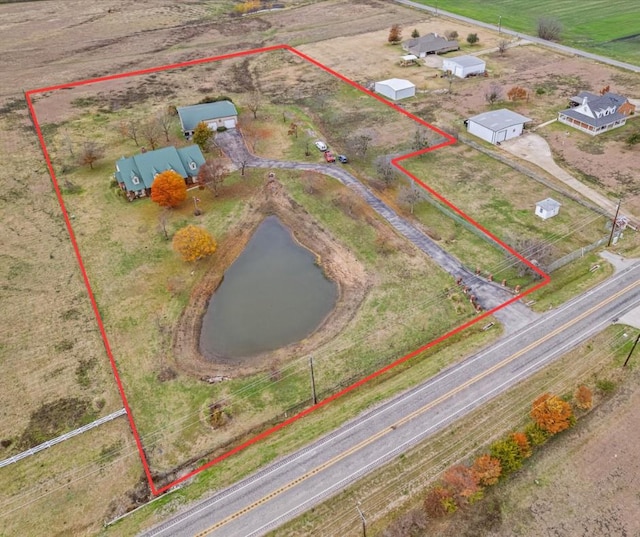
{"points": [[429, 44], [136, 174], [464, 66], [395, 88], [215, 115], [497, 126], [547, 208], [594, 114]]}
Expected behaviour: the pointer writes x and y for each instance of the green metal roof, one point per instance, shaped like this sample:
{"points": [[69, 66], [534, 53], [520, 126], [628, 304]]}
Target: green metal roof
{"points": [[139, 171], [190, 116]]}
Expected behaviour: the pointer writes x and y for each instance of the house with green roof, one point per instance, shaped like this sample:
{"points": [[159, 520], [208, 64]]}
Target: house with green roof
{"points": [[215, 115], [136, 174]]}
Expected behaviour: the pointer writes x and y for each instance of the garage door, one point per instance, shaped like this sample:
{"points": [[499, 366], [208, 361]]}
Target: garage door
{"points": [[501, 136], [230, 123]]}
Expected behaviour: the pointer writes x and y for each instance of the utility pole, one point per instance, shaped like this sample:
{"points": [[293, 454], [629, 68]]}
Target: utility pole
{"points": [[364, 522], [313, 381], [613, 223], [631, 351]]}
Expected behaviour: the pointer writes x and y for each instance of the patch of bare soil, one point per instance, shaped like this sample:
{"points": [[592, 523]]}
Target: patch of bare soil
{"points": [[338, 263]]}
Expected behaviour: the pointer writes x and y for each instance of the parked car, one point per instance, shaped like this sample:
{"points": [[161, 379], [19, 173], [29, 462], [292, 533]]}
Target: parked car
{"points": [[343, 159], [328, 156], [321, 145]]}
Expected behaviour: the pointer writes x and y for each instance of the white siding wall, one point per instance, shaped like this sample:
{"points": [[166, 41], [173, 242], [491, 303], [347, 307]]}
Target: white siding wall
{"points": [[480, 131], [385, 90]]}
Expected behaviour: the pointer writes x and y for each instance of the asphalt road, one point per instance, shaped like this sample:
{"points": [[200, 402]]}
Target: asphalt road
{"points": [[299, 481]]}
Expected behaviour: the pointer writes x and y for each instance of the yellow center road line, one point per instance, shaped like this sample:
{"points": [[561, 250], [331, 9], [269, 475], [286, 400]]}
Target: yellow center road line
{"points": [[414, 414]]}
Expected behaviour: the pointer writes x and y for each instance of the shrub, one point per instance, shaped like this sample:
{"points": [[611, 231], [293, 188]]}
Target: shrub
{"points": [[472, 39], [606, 386], [535, 434]]}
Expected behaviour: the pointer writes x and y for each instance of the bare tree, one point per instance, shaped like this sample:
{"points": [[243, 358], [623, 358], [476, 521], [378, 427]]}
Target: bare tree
{"points": [[409, 196], [162, 222], [359, 144], [211, 175], [503, 44], [549, 28], [91, 152], [254, 102], [385, 170], [493, 93], [293, 129], [150, 131], [165, 122], [450, 35], [129, 129], [420, 139]]}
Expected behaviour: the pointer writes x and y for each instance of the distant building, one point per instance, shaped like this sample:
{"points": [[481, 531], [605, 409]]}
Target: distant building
{"points": [[595, 114], [395, 88], [547, 208], [464, 66], [136, 174], [429, 44], [497, 125], [215, 115]]}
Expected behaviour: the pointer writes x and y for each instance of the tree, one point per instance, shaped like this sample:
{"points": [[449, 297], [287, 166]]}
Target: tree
{"points": [[451, 34], [168, 189], [409, 196], [91, 152], [162, 223], [420, 139], [584, 397], [165, 121], [150, 131], [386, 170], [359, 144], [503, 44], [605, 89], [193, 243], [415, 33], [462, 482], [254, 102], [293, 129], [517, 93], [551, 413], [487, 469], [549, 28], [508, 453], [523, 444], [395, 34], [472, 39], [439, 502], [535, 434], [129, 129], [493, 93], [202, 135], [211, 175]]}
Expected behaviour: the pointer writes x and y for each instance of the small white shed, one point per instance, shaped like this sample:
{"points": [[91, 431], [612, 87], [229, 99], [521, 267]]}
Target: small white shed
{"points": [[547, 208], [395, 88], [497, 126], [464, 66]]}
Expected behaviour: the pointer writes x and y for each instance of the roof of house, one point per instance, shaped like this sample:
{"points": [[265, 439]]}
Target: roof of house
{"points": [[190, 116], [466, 61], [597, 104], [429, 43], [497, 120], [397, 84], [138, 172], [549, 204]]}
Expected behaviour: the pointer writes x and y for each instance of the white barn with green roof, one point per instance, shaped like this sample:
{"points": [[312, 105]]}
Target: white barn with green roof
{"points": [[136, 174], [215, 115]]}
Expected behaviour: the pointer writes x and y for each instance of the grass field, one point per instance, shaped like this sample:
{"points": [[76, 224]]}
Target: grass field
{"points": [[607, 28]]}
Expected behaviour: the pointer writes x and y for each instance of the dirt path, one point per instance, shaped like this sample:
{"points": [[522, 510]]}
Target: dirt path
{"points": [[488, 294]]}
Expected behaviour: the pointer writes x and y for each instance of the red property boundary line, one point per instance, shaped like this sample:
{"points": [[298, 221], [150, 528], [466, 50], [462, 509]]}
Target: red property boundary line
{"points": [[396, 162]]}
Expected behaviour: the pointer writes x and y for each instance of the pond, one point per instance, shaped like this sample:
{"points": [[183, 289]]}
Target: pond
{"points": [[274, 294]]}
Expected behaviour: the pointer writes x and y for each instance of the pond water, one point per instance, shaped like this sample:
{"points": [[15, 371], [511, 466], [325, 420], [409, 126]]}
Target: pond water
{"points": [[274, 294]]}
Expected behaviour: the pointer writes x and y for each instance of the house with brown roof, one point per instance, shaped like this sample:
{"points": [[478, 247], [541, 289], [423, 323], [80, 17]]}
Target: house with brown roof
{"points": [[431, 43], [594, 114]]}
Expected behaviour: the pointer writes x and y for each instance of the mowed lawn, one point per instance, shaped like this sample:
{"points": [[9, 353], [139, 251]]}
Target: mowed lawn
{"points": [[611, 28]]}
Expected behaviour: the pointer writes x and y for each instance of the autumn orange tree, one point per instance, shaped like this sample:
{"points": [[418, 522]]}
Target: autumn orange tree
{"points": [[193, 243], [487, 470], [517, 94], [584, 398], [551, 413], [523, 444], [395, 34], [439, 502], [462, 482], [202, 135], [168, 189]]}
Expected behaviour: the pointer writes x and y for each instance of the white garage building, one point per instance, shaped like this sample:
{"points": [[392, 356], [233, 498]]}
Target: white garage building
{"points": [[497, 125], [464, 66], [215, 115], [395, 88]]}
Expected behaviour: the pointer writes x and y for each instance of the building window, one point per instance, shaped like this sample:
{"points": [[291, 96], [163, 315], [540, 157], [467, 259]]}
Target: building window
{"points": [[135, 180], [192, 165]]}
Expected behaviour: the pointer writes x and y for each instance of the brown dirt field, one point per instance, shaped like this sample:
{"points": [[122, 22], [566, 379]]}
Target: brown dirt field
{"points": [[43, 296]]}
